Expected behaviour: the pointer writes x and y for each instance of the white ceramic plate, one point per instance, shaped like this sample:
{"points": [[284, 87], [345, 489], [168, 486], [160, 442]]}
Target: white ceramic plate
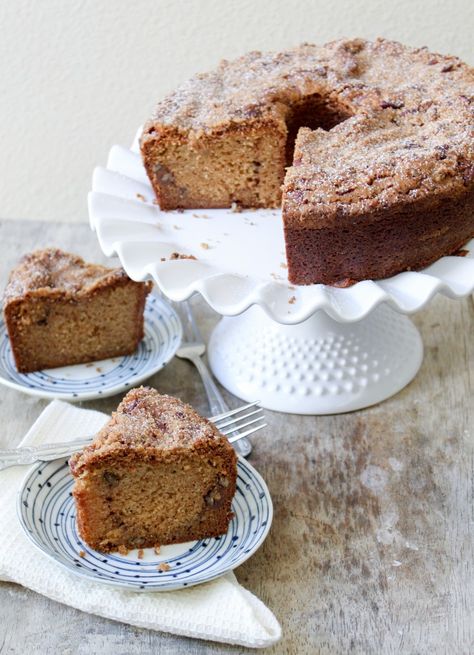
{"points": [[240, 257], [106, 377], [46, 512]]}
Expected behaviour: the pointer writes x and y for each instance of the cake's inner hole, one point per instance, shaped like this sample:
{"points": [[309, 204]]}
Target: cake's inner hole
{"points": [[314, 111]]}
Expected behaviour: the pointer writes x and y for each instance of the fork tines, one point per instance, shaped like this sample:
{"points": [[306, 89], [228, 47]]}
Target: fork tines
{"points": [[235, 420], [232, 412]]}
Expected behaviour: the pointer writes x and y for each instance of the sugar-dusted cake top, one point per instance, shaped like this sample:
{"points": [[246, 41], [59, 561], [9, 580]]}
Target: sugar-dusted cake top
{"points": [[149, 423], [364, 75], [55, 273], [408, 130], [375, 161]]}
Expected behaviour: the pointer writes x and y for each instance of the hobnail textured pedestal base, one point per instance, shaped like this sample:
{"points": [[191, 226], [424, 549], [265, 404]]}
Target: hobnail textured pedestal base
{"points": [[319, 366]]}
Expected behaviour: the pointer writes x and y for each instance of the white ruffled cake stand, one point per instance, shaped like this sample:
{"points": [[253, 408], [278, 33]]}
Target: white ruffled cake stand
{"points": [[305, 350]]}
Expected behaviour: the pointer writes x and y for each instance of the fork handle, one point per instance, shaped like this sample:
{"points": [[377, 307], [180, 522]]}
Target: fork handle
{"points": [[46, 452], [217, 404]]}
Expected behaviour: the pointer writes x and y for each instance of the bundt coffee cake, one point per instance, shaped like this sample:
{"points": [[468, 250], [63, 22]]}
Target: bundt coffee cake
{"points": [[59, 310], [156, 474], [382, 176]]}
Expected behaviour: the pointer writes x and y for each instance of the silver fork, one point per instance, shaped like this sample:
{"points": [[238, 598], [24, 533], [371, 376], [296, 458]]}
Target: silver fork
{"points": [[192, 348], [232, 422]]}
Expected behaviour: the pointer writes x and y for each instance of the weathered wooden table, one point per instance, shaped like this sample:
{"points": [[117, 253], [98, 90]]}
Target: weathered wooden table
{"points": [[372, 545]]}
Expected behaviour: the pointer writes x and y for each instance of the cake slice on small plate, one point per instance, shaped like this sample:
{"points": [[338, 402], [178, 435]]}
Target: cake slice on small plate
{"points": [[60, 310], [158, 473]]}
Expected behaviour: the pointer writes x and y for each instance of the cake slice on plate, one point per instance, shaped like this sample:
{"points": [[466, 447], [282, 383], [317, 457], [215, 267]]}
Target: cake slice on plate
{"points": [[157, 473], [60, 310]]}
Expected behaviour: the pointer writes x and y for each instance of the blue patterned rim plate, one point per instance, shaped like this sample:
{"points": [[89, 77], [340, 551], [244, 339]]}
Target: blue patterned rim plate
{"points": [[47, 514], [108, 376]]}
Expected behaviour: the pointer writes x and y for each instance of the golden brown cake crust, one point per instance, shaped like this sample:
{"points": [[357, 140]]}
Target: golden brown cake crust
{"points": [[53, 273], [151, 425], [366, 76]]}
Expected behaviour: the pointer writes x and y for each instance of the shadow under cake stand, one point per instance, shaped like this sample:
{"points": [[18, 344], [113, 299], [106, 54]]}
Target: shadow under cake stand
{"points": [[305, 350]]}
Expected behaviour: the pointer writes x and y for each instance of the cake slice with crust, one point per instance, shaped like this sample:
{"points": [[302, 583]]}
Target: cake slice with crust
{"points": [[158, 473], [60, 310]]}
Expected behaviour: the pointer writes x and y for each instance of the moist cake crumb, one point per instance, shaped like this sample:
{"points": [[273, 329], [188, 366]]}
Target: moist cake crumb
{"points": [[82, 553], [141, 553]]}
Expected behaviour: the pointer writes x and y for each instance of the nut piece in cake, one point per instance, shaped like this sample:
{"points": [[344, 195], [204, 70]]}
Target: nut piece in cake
{"points": [[59, 310], [157, 473]]}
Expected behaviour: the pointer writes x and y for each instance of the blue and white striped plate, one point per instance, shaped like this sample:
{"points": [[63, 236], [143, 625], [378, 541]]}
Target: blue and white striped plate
{"points": [[108, 376], [48, 515]]}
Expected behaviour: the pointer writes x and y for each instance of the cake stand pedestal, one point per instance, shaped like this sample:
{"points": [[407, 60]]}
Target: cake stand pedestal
{"points": [[307, 350], [319, 366]]}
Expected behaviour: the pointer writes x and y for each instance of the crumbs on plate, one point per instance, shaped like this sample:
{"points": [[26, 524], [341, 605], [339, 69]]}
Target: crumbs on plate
{"points": [[164, 566]]}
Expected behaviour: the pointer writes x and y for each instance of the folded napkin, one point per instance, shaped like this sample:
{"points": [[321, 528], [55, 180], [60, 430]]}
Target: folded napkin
{"points": [[220, 610]]}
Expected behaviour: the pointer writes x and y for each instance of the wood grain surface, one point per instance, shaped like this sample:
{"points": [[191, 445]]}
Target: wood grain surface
{"points": [[372, 545]]}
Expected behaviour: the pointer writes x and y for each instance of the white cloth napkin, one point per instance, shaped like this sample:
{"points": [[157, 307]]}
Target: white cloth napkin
{"points": [[220, 610]]}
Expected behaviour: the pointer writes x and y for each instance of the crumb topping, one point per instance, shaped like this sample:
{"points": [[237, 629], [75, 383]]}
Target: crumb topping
{"points": [[405, 128], [150, 424], [53, 272]]}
